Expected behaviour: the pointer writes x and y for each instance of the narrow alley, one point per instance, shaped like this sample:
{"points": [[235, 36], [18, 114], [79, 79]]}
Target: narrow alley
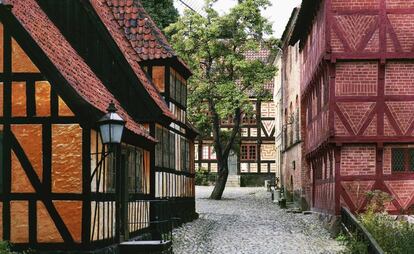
{"points": [[245, 221]]}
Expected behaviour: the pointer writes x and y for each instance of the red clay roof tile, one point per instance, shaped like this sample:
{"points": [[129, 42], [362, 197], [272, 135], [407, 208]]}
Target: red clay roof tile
{"points": [[262, 55], [112, 14], [70, 65]]}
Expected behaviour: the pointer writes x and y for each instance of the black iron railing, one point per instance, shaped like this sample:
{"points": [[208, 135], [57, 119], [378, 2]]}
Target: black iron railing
{"points": [[354, 227]]}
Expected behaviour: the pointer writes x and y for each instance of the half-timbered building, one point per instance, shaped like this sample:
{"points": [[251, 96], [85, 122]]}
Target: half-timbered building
{"points": [[62, 63], [357, 101], [255, 161]]}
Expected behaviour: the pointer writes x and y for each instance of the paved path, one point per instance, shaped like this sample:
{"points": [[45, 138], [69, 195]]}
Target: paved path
{"points": [[246, 222]]}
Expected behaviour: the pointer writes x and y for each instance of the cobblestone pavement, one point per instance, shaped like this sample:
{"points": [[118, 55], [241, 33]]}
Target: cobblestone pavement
{"points": [[246, 222]]}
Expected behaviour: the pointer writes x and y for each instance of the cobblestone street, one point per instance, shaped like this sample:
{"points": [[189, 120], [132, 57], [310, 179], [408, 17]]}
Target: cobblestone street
{"points": [[245, 221]]}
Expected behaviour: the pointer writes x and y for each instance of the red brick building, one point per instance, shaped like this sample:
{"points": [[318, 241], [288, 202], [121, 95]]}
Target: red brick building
{"points": [[357, 94]]}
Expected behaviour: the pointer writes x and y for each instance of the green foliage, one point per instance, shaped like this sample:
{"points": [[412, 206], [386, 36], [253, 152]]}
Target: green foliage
{"points": [[162, 12], [215, 48], [5, 248], [353, 244], [203, 177], [394, 236], [378, 200]]}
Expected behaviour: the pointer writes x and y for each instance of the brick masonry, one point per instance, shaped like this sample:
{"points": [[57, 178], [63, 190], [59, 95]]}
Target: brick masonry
{"points": [[368, 58]]}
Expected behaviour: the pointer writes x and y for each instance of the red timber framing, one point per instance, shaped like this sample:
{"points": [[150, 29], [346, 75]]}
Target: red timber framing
{"points": [[58, 191], [365, 67]]}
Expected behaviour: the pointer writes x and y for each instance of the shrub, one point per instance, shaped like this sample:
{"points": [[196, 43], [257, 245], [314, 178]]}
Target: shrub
{"points": [[394, 236], [203, 177], [5, 249], [353, 245]]}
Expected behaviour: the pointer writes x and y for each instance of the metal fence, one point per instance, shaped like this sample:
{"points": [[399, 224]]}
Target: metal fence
{"points": [[353, 226]]}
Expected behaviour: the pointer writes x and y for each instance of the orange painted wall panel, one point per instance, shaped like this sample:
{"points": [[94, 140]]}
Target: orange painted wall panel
{"points": [[20, 181], [158, 77], [46, 228], [19, 221], [19, 99], [42, 95], [20, 61], [64, 110], [29, 137], [71, 214], [66, 158]]}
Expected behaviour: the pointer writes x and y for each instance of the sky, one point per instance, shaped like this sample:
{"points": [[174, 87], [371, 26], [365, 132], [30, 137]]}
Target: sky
{"points": [[278, 13]]}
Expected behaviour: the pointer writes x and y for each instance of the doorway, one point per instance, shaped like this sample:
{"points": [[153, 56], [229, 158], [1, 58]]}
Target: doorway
{"points": [[232, 163]]}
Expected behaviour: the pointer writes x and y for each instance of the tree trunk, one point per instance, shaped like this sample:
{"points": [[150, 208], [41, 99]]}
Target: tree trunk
{"points": [[220, 181]]}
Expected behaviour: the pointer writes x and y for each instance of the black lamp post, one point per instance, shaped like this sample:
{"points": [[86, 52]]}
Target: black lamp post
{"points": [[111, 127]]}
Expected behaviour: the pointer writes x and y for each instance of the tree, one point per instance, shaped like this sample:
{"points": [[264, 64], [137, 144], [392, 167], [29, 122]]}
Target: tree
{"points": [[215, 47], [162, 12]]}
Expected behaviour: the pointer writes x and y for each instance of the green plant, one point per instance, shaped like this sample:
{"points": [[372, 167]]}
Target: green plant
{"points": [[377, 201], [393, 235], [5, 248], [353, 244], [203, 177]]}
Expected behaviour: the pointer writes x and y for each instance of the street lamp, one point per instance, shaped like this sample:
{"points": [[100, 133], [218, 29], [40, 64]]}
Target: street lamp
{"points": [[111, 126]]}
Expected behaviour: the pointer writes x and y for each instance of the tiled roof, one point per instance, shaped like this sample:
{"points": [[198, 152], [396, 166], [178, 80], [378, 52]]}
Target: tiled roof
{"points": [[262, 55], [145, 37], [107, 11], [70, 65]]}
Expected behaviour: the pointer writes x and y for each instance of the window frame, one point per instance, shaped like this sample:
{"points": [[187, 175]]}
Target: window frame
{"points": [[408, 160], [248, 155]]}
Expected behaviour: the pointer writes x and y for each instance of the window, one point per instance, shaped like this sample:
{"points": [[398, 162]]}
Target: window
{"points": [[158, 147], [248, 152], [249, 119], [110, 175], [165, 149], [178, 88], [402, 159], [134, 164], [208, 152]]}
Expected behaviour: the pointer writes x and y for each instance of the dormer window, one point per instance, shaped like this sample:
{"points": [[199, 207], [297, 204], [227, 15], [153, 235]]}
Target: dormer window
{"points": [[178, 88]]}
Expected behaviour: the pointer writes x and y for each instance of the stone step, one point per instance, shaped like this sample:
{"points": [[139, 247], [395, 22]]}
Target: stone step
{"points": [[233, 181]]}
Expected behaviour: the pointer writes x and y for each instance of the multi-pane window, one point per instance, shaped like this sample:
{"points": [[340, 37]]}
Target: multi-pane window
{"points": [[172, 150], [402, 159], [110, 174], [134, 164], [208, 152], [178, 88], [248, 152], [249, 119]]}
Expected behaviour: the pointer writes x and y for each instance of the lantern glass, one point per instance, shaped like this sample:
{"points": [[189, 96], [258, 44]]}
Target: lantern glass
{"points": [[111, 127]]}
